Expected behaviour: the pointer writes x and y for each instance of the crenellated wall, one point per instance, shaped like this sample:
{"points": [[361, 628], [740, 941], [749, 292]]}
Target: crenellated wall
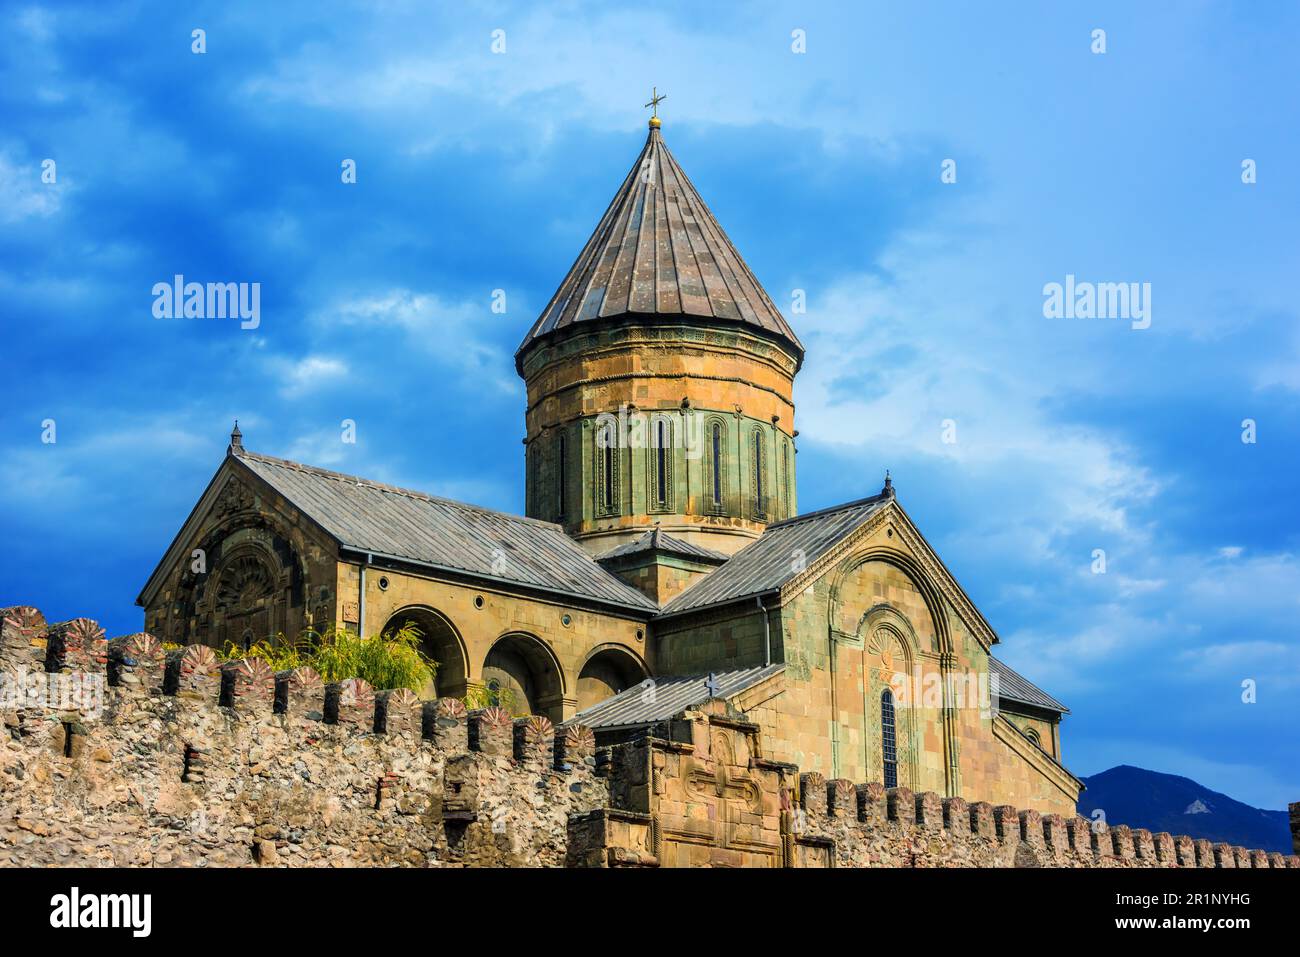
{"points": [[699, 792], [121, 755], [118, 754]]}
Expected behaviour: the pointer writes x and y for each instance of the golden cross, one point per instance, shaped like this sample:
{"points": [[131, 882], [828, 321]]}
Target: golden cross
{"points": [[654, 101]]}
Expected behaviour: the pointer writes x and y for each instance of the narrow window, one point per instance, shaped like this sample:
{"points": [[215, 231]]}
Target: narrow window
{"points": [[530, 481], [561, 477], [606, 470], [661, 463], [785, 476], [888, 748], [759, 502], [717, 465], [608, 490]]}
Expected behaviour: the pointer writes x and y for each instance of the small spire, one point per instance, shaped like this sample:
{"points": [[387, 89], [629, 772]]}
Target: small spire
{"points": [[655, 99], [888, 490], [236, 440]]}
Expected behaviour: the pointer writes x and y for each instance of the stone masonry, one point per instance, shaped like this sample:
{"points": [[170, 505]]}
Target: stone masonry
{"points": [[117, 753]]}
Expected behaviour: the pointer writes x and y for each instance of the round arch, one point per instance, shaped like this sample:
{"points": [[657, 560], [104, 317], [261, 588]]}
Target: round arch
{"points": [[242, 594], [608, 669], [522, 674], [440, 640], [888, 638], [913, 570]]}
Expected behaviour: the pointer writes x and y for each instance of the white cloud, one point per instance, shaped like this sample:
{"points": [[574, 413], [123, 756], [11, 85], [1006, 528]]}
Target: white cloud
{"points": [[23, 194], [309, 374], [451, 335]]}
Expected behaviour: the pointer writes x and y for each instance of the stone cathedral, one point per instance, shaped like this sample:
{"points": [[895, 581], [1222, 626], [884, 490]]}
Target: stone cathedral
{"points": [[662, 562]]}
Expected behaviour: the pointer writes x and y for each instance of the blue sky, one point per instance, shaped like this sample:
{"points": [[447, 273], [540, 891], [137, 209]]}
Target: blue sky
{"points": [[479, 171]]}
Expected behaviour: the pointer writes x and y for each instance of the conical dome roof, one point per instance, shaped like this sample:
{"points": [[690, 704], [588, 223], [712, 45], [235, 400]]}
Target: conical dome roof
{"points": [[658, 251]]}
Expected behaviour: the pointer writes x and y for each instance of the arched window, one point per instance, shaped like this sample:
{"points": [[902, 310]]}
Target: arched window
{"points": [[888, 743], [785, 478], [606, 470], [661, 464], [759, 468], [717, 436], [1032, 735], [530, 480], [561, 476]]}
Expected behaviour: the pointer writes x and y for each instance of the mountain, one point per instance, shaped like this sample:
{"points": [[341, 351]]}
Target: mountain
{"points": [[1166, 802]]}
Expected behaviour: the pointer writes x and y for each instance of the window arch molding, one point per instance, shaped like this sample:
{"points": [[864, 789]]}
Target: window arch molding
{"points": [[890, 653], [660, 462], [607, 490], [759, 481], [930, 593], [715, 464]]}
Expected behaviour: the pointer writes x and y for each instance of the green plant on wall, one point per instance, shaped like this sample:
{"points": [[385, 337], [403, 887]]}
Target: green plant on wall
{"points": [[391, 660], [481, 696]]}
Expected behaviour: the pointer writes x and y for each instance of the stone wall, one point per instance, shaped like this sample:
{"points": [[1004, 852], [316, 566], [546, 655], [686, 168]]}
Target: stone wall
{"points": [[115, 753], [120, 755], [699, 793]]}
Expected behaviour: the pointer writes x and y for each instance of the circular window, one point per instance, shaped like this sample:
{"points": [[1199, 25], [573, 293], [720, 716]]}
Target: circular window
{"points": [[640, 635], [566, 620], [478, 601], [383, 584]]}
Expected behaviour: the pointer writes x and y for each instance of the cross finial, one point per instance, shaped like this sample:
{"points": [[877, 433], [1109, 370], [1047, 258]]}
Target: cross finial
{"points": [[653, 105]]}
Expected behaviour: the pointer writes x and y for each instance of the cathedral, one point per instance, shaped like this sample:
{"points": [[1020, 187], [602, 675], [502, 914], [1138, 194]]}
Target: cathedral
{"points": [[662, 561]]}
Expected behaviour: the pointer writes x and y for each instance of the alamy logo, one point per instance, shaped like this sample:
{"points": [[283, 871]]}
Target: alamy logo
{"points": [[179, 299], [75, 910], [634, 429], [1098, 300]]}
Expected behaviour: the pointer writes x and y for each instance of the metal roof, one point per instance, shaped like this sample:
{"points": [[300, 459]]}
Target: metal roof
{"points": [[781, 552], [660, 541], [658, 250], [1014, 687], [671, 696], [398, 523]]}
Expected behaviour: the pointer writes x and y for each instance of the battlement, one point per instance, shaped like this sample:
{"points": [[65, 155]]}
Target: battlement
{"points": [[120, 753], [697, 792]]}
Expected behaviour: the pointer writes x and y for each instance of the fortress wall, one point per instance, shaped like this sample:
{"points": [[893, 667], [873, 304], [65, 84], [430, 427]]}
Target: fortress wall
{"points": [[121, 755], [118, 754]]}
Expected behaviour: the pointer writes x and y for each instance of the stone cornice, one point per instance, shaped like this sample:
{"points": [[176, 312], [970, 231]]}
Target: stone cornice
{"points": [[594, 342]]}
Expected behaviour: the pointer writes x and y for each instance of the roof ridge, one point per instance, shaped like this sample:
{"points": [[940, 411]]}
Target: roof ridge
{"points": [[394, 489], [657, 538], [857, 503]]}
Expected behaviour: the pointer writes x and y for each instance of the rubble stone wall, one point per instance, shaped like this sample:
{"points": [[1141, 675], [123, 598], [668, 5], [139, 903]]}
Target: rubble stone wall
{"points": [[118, 754], [121, 755]]}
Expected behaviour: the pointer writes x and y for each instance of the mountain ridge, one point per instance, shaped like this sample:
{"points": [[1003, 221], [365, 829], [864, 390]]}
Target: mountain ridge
{"points": [[1158, 802]]}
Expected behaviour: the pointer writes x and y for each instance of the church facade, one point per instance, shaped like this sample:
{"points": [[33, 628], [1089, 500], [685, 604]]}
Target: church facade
{"points": [[662, 560]]}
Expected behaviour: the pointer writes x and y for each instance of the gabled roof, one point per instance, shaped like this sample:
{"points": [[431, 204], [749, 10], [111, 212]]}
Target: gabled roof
{"points": [[659, 251], [396, 523], [671, 696], [780, 553], [1014, 687], [656, 540]]}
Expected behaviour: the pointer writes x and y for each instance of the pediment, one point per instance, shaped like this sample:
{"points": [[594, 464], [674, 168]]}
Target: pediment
{"points": [[891, 535]]}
